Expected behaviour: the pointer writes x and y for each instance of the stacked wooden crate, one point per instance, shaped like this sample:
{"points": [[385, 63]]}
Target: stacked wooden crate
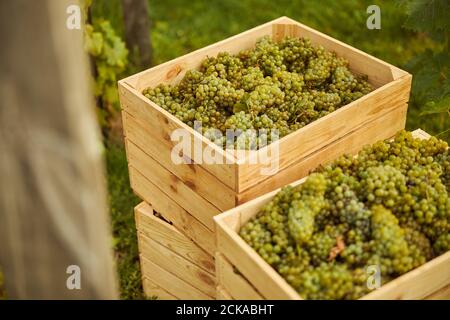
{"points": [[190, 195], [244, 275], [173, 266]]}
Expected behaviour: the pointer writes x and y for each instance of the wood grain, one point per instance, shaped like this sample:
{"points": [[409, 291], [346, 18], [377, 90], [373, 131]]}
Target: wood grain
{"points": [[196, 177], [172, 212], [171, 283], [232, 282], [171, 185], [177, 265], [170, 237]]}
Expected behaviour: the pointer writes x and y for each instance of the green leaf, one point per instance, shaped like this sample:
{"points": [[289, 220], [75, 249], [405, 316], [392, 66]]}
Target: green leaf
{"points": [[93, 42], [110, 94], [110, 56], [115, 51], [430, 16]]}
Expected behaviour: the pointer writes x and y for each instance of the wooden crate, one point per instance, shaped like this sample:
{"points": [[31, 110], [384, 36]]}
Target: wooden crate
{"points": [[245, 275], [172, 265], [189, 195]]}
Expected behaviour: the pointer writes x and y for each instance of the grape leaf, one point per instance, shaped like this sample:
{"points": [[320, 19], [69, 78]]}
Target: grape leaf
{"points": [[430, 16], [115, 51], [431, 81], [110, 55]]}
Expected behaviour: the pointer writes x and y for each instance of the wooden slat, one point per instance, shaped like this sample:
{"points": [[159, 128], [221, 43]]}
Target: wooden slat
{"points": [[171, 283], [169, 183], [222, 294], [172, 212], [170, 237], [328, 129], [233, 283], [177, 265], [152, 290], [194, 176], [351, 143], [162, 124], [418, 283], [419, 133], [261, 275]]}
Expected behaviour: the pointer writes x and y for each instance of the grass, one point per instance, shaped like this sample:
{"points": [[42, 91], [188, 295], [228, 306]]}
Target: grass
{"points": [[121, 202], [179, 27]]}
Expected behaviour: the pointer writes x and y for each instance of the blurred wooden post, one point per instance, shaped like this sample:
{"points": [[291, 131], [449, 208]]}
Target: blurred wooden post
{"points": [[137, 30], [53, 211]]}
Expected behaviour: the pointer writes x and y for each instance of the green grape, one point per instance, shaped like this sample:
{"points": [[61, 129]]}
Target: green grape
{"points": [[383, 185], [301, 213], [263, 97], [391, 251], [327, 281], [267, 55], [442, 244], [444, 161], [240, 120], [419, 245], [296, 53]]}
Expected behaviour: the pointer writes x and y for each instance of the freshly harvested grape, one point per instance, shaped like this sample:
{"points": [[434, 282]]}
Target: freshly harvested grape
{"points": [[444, 161], [388, 208], [391, 251], [302, 211], [328, 281], [282, 86]]}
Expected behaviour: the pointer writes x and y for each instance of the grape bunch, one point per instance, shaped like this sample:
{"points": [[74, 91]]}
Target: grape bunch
{"points": [[388, 207], [280, 86]]}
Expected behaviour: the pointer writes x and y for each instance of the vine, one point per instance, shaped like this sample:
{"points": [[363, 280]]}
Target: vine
{"points": [[109, 59]]}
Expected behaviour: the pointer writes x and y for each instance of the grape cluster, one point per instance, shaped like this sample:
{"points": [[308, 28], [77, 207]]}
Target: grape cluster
{"points": [[388, 207], [280, 86]]}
